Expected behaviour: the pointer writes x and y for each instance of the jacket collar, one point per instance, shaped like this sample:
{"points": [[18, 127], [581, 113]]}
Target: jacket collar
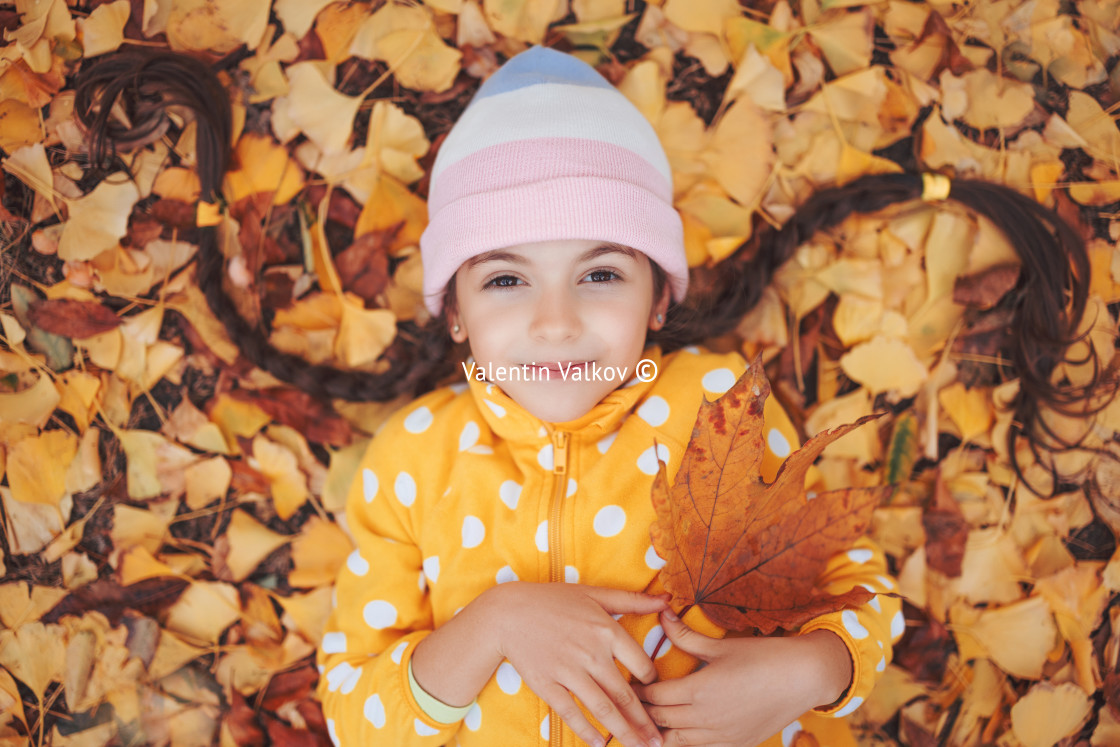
{"points": [[512, 422]]}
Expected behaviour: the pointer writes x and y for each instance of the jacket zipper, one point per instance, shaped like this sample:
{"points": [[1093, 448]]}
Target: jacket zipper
{"points": [[555, 550]]}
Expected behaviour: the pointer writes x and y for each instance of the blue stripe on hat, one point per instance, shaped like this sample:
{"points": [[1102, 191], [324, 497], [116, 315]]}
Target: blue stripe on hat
{"points": [[539, 65]]}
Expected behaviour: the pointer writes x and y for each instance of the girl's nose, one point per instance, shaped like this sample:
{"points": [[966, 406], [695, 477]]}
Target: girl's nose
{"points": [[555, 317]]}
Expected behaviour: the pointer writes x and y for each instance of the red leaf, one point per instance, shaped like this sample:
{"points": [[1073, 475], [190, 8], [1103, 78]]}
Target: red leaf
{"points": [[308, 415], [749, 553], [73, 319]]}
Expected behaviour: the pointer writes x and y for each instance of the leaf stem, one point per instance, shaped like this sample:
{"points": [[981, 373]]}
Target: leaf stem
{"points": [[656, 651]]}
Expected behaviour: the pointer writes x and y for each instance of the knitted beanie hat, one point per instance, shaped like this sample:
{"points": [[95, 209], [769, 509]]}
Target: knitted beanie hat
{"points": [[548, 150]]}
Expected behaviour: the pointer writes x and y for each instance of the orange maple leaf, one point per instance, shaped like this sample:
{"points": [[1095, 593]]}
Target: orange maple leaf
{"points": [[747, 552]]}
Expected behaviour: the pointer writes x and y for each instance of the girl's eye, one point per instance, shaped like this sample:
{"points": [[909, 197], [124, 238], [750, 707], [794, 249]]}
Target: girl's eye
{"points": [[502, 281], [602, 276]]}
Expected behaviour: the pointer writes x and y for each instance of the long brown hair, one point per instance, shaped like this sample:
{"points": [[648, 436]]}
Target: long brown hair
{"points": [[1047, 304]]}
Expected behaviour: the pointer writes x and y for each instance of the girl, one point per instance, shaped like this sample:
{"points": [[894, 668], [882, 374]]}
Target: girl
{"points": [[503, 524], [503, 562]]}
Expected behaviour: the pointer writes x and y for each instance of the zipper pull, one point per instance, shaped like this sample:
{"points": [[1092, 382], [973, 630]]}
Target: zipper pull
{"points": [[560, 453]]}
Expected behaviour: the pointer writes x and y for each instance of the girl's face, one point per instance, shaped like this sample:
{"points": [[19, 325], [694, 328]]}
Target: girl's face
{"points": [[559, 312]]}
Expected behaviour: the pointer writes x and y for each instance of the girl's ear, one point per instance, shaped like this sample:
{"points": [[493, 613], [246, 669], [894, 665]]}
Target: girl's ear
{"points": [[455, 326], [659, 310]]}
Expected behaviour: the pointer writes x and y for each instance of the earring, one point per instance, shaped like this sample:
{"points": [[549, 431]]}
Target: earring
{"points": [[455, 329], [660, 319]]}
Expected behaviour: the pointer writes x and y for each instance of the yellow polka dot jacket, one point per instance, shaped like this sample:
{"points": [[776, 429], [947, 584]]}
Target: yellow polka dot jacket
{"points": [[463, 489]]}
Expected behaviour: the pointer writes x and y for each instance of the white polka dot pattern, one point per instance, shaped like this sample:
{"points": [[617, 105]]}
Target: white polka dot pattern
{"points": [[545, 729], [778, 443], [469, 436], [495, 408], [473, 719], [571, 488], [418, 420], [375, 711], [369, 485], [849, 709], [571, 574], [423, 729], [653, 560], [379, 614], [653, 637], [332, 732], [398, 652], [655, 411], [508, 678], [333, 643], [648, 461], [474, 532], [860, 555], [609, 521], [431, 568], [505, 575], [898, 626], [719, 380], [356, 564], [544, 457], [882, 665], [789, 733], [852, 625], [405, 489], [541, 537], [604, 443], [510, 493]]}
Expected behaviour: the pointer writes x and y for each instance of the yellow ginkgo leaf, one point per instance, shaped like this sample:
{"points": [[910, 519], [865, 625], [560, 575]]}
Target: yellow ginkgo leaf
{"points": [[207, 481], [138, 564], [757, 78], [264, 166], [846, 40], [35, 654], [740, 153], [103, 30], [204, 610], [864, 364], [994, 101], [525, 20], [1017, 637], [363, 333], [98, 220], [318, 553], [22, 603], [32, 406], [250, 542], [706, 15], [970, 409], [308, 612], [281, 469], [396, 140], [216, 25], [1049, 713], [405, 38], [298, 15], [391, 203], [21, 126], [37, 467], [321, 112]]}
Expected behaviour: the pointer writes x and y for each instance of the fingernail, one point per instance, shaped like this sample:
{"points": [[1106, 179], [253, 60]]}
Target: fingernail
{"points": [[670, 615], [655, 742]]}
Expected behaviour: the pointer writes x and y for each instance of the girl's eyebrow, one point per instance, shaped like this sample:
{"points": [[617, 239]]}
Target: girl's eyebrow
{"points": [[499, 255]]}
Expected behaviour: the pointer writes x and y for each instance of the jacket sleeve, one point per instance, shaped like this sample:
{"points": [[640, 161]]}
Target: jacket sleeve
{"points": [[381, 608], [869, 631]]}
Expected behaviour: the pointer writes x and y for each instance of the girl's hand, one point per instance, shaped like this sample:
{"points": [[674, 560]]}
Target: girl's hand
{"points": [[750, 689], [562, 640]]}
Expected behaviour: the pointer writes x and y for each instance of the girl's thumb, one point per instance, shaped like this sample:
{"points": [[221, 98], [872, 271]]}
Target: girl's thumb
{"points": [[687, 639]]}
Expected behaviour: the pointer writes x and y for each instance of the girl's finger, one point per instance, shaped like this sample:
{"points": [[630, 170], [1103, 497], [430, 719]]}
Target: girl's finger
{"points": [[565, 707], [622, 695], [622, 602], [598, 703], [687, 639], [633, 657], [673, 717], [694, 738], [666, 692]]}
